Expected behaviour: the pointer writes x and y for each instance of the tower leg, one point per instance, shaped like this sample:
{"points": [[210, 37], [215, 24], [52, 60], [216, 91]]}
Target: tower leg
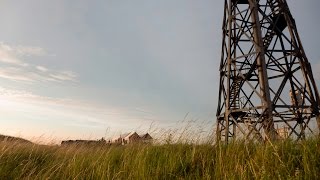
{"points": [[318, 122], [268, 123]]}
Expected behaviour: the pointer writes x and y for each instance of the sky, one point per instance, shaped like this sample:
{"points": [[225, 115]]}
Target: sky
{"points": [[79, 69]]}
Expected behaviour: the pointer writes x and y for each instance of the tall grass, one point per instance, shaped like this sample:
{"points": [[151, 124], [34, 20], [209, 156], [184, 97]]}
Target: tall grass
{"points": [[238, 160]]}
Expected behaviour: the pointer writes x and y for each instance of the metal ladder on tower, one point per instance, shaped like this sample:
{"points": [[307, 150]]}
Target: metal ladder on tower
{"points": [[234, 94]]}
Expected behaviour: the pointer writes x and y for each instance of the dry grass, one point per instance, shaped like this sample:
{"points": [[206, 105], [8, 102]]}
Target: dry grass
{"points": [[238, 160]]}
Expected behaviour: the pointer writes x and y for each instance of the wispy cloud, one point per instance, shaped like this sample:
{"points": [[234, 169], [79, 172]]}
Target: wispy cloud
{"points": [[32, 74], [64, 76], [17, 74], [14, 67], [69, 111], [30, 51], [41, 68], [8, 55]]}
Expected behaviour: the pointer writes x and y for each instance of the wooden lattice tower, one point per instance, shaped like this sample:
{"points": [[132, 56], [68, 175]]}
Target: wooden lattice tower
{"points": [[266, 81]]}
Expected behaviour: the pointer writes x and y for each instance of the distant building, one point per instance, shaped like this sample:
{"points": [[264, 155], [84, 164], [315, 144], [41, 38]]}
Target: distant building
{"points": [[132, 137], [146, 138], [84, 142], [127, 138]]}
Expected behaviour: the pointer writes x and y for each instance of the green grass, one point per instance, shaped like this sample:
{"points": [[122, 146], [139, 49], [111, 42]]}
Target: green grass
{"points": [[239, 160]]}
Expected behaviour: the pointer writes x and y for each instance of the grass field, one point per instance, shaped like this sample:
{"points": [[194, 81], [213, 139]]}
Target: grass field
{"points": [[280, 160]]}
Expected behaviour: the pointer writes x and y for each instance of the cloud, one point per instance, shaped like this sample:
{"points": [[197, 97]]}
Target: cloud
{"points": [[15, 68], [23, 50], [33, 74], [69, 111], [7, 55], [64, 76], [30, 51], [16, 74], [41, 68]]}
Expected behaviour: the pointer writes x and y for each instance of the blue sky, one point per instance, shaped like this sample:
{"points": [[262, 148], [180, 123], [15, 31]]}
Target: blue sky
{"points": [[72, 69]]}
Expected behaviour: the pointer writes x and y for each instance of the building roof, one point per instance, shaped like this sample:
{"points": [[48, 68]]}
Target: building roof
{"points": [[126, 135], [146, 136]]}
